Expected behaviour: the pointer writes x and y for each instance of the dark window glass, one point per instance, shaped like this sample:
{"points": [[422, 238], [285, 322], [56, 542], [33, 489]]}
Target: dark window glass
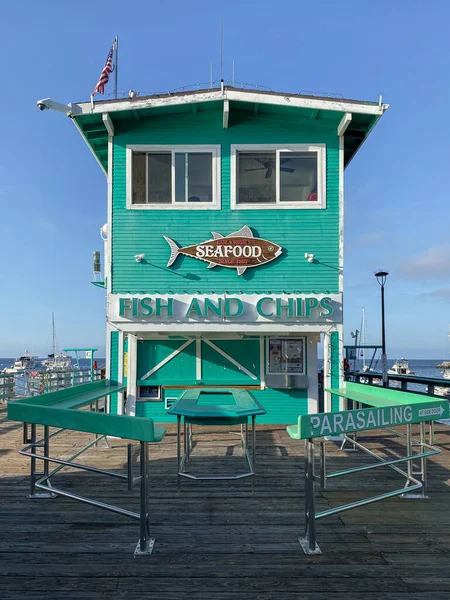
{"points": [[193, 177], [159, 178], [138, 186], [298, 177], [257, 177]]}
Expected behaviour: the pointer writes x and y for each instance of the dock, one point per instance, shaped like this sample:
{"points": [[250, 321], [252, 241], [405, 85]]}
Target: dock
{"points": [[223, 540]]}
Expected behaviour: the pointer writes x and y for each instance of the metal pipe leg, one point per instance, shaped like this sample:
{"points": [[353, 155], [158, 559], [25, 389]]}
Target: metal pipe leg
{"points": [[178, 442], [130, 466], [308, 541], [146, 543], [253, 443], [423, 460], [323, 466], [33, 462], [34, 475], [417, 493]]}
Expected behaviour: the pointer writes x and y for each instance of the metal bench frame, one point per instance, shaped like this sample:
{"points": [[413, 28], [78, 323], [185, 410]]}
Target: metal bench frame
{"points": [[308, 540], [59, 409]]}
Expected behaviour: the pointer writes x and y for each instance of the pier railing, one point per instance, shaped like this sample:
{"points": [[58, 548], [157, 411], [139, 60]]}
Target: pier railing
{"points": [[34, 383], [6, 386], [433, 386]]}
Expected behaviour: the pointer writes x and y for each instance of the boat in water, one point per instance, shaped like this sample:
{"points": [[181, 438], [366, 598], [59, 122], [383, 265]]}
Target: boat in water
{"points": [[25, 364], [58, 362], [400, 367]]}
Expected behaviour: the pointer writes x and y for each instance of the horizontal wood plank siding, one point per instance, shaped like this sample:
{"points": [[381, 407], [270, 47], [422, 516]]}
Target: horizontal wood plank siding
{"points": [[298, 231], [282, 406]]}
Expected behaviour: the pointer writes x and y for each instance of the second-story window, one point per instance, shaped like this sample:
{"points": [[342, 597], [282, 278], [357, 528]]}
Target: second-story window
{"points": [[278, 177], [173, 177]]}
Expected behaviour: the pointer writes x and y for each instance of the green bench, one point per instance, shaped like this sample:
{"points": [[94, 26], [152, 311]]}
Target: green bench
{"points": [[377, 396], [64, 409], [59, 409]]}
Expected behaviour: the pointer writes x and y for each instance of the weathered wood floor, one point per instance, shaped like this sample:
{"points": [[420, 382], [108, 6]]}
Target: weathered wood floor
{"points": [[222, 541]]}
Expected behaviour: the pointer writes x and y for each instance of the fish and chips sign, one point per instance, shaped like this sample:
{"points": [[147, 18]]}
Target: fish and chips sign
{"points": [[239, 250], [350, 421]]}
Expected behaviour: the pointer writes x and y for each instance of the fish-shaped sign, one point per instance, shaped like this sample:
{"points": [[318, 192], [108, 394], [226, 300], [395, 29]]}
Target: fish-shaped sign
{"points": [[238, 250]]}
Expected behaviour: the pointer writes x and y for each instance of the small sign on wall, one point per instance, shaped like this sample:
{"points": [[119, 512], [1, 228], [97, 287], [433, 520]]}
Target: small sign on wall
{"points": [[149, 392]]}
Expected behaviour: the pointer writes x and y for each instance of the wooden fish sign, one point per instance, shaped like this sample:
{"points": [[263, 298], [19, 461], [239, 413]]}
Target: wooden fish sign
{"points": [[238, 250]]}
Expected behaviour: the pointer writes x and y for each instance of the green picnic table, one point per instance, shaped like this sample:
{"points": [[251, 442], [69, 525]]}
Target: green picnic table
{"points": [[215, 406]]}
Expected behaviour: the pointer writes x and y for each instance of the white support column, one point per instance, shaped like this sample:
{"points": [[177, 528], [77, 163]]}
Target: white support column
{"points": [[108, 362], [343, 402], [132, 375], [262, 362], [120, 395], [198, 358], [313, 386], [327, 371]]}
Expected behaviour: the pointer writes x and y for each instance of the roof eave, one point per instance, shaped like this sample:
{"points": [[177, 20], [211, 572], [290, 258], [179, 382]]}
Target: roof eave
{"points": [[287, 100]]}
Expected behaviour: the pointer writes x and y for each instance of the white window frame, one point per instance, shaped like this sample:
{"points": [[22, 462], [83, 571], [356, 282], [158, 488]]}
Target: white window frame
{"points": [[216, 184], [320, 150], [285, 337]]}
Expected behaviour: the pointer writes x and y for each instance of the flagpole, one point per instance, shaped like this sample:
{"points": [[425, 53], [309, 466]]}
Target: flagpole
{"points": [[116, 66]]}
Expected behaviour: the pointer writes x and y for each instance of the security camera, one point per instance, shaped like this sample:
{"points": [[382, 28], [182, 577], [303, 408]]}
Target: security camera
{"points": [[68, 109]]}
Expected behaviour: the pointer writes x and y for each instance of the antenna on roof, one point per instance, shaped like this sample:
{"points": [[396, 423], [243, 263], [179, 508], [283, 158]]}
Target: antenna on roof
{"points": [[221, 54]]}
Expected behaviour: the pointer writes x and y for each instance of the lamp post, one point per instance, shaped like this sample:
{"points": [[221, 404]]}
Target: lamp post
{"points": [[381, 278]]}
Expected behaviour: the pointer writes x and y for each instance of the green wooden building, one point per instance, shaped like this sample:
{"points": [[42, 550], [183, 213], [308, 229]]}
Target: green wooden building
{"points": [[223, 254]]}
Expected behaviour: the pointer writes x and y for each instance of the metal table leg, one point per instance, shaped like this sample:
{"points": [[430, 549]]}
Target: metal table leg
{"points": [[146, 543], [308, 541]]}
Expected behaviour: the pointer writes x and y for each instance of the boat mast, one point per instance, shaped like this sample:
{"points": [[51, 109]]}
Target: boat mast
{"points": [[53, 334]]}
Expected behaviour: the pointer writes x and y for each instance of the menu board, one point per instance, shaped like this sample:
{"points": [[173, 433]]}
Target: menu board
{"points": [[286, 355]]}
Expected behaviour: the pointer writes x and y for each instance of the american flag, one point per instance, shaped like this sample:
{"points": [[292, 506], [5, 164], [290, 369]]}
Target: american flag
{"points": [[104, 75]]}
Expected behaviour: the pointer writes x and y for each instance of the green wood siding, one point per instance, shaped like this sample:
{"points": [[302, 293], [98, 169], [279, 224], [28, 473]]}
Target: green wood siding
{"points": [[282, 406], [216, 367], [334, 356], [114, 372], [298, 231], [179, 368]]}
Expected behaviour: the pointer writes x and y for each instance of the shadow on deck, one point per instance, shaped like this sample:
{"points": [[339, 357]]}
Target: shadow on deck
{"points": [[223, 540]]}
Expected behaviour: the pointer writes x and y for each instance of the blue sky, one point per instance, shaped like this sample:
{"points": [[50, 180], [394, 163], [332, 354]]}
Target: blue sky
{"points": [[53, 194]]}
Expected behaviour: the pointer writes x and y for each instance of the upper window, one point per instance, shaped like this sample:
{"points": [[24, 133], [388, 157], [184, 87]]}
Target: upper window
{"points": [[278, 176], [175, 177]]}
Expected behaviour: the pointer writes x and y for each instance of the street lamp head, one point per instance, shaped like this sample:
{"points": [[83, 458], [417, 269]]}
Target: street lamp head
{"points": [[381, 277]]}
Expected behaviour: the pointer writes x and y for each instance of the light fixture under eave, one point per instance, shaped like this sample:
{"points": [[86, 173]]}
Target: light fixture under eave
{"points": [[104, 232]]}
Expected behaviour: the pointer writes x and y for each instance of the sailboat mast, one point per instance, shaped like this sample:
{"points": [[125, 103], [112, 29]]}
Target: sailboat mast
{"points": [[363, 335], [53, 334]]}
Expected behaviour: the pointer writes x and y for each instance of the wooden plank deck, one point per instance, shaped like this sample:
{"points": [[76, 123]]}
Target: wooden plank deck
{"points": [[222, 540]]}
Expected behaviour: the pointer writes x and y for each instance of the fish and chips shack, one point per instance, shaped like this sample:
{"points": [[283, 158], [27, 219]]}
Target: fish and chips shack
{"points": [[223, 252]]}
